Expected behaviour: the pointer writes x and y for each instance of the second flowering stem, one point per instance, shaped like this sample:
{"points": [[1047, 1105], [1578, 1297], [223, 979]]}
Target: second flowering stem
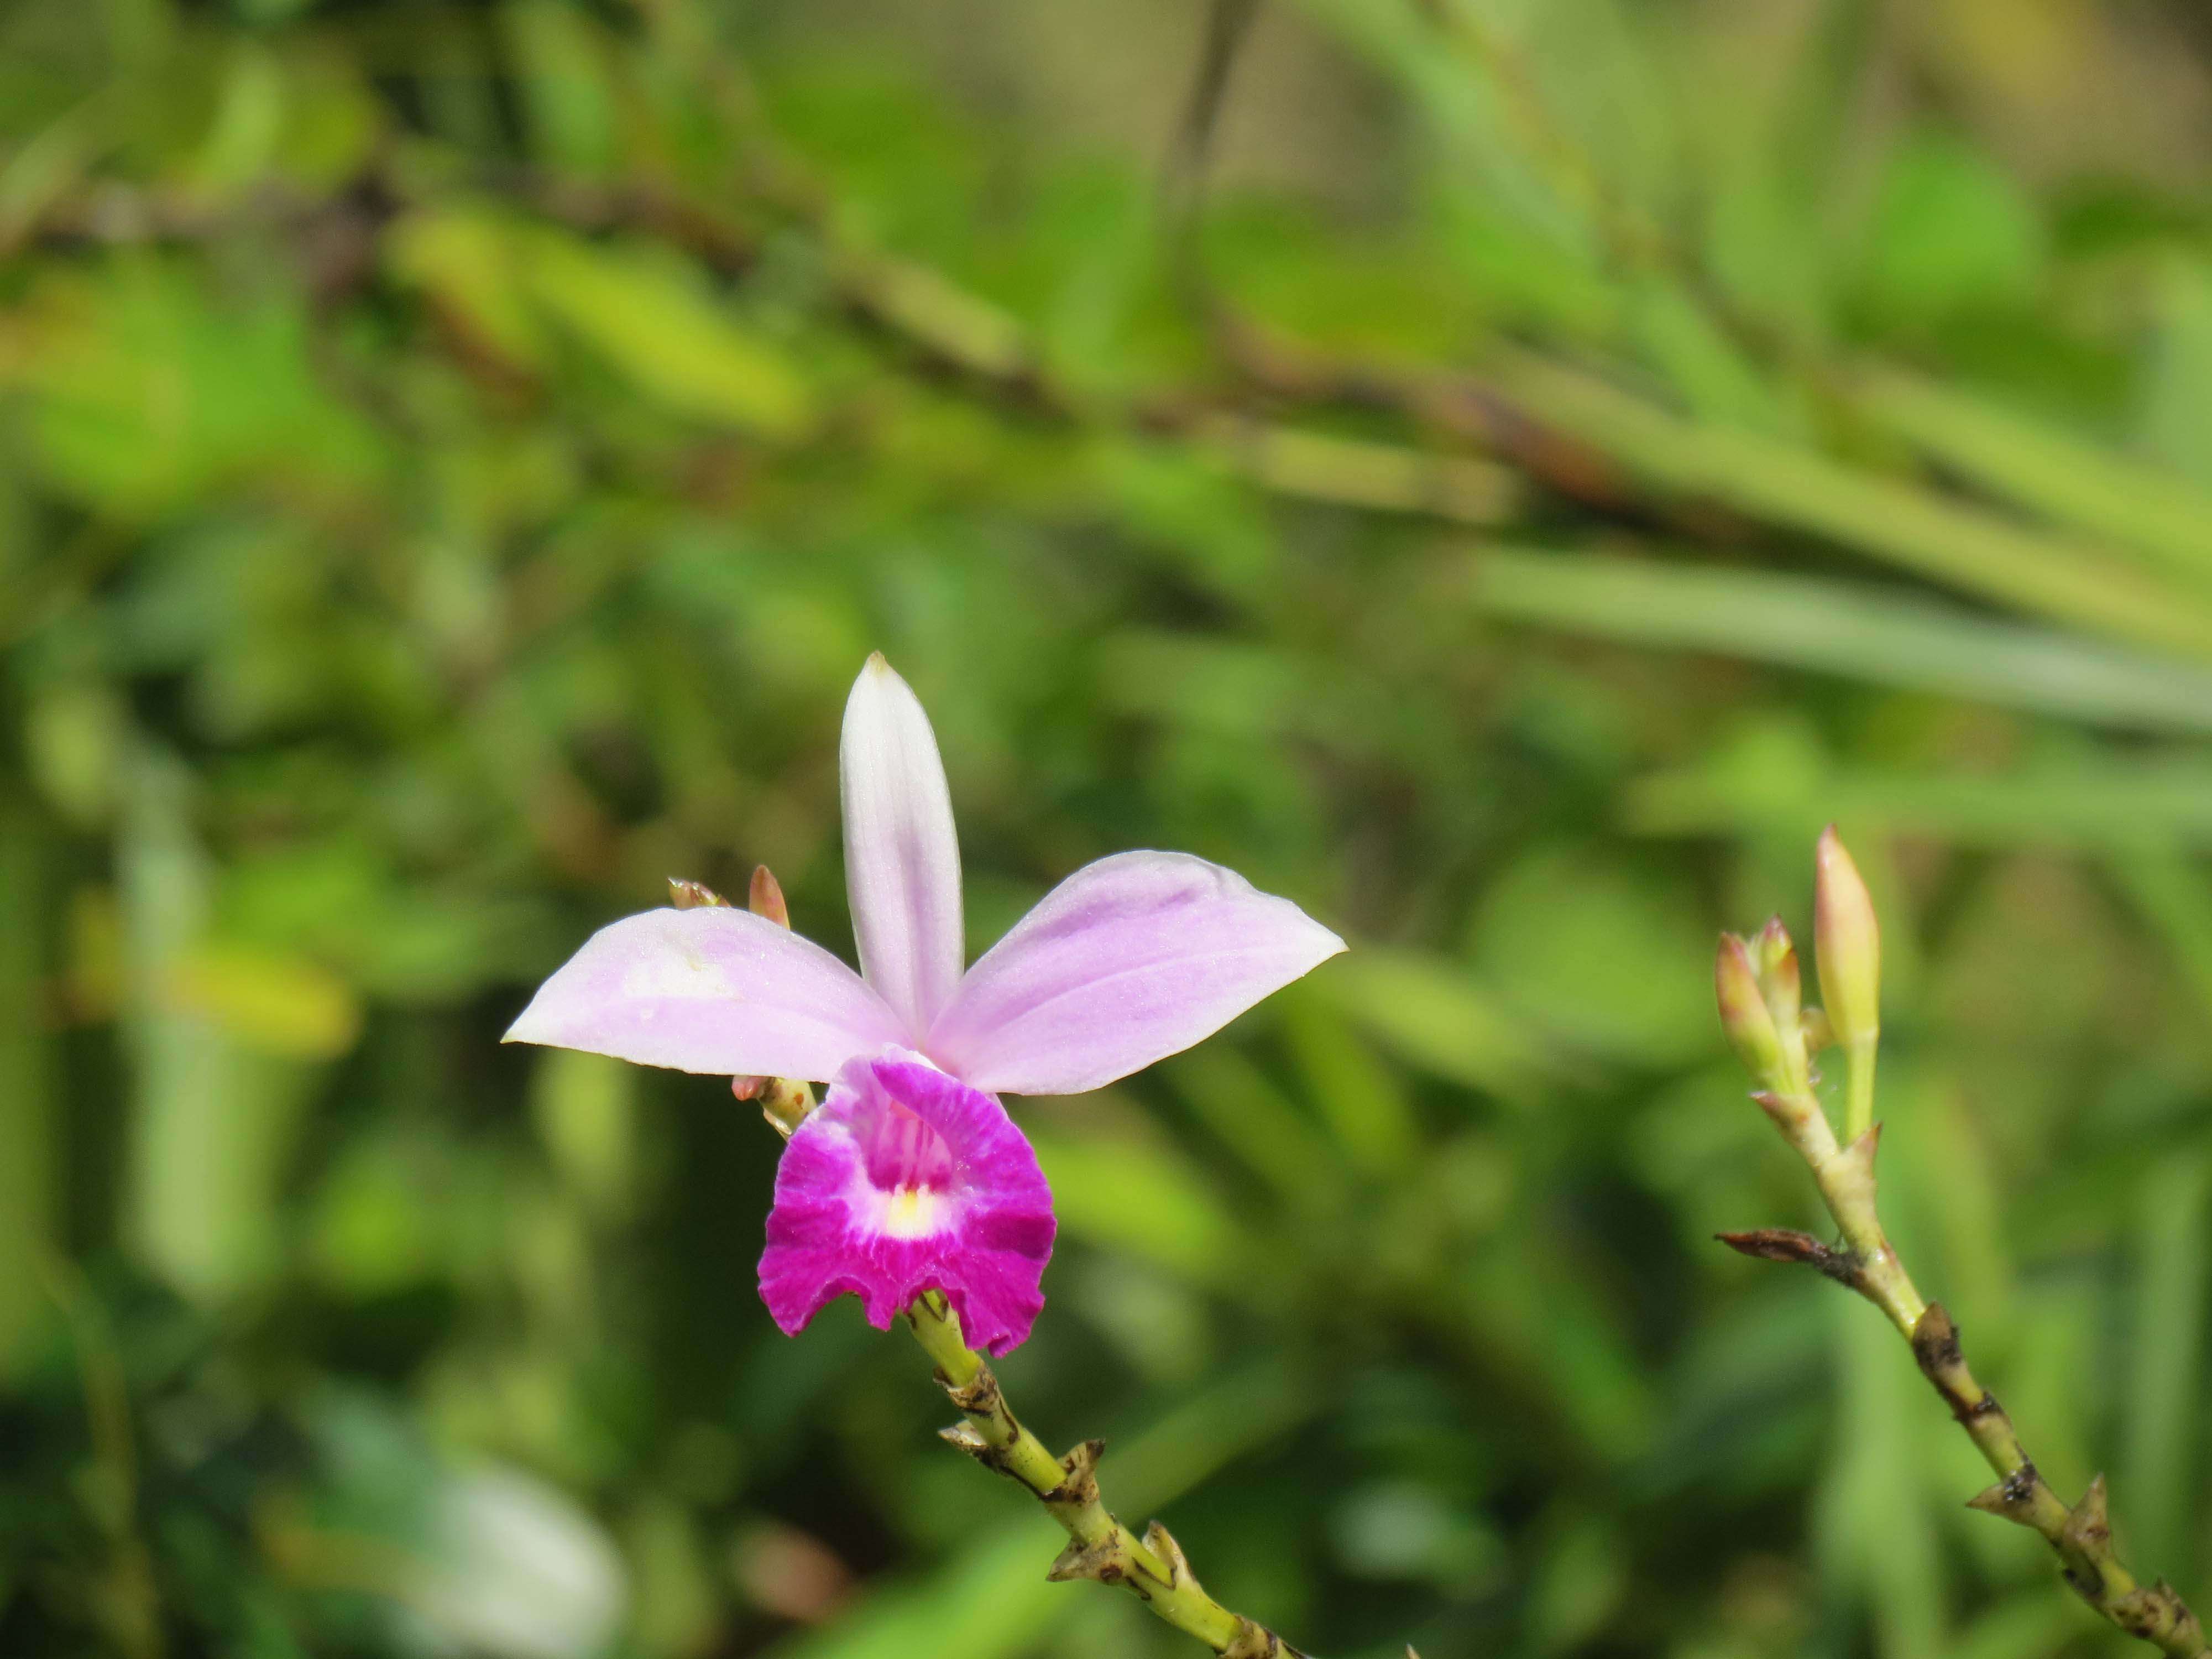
{"points": [[1756, 981]]}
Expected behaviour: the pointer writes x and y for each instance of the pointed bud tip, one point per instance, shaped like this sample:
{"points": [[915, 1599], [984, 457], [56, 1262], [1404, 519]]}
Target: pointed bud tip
{"points": [[687, 895], [1746, 1019], [1847, 940], [765, 897]]}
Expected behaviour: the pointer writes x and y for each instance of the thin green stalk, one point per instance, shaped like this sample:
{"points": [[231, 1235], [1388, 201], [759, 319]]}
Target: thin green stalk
{"points": [[1151, 1568], [130, 1602], [1858, 1089]]}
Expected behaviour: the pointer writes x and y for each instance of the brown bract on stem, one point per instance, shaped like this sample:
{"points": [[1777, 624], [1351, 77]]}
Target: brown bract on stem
{"points": [[1758, 979]]}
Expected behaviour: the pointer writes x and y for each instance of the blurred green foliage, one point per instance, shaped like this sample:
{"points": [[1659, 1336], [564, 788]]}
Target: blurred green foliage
{"points": [[1504, 482]]}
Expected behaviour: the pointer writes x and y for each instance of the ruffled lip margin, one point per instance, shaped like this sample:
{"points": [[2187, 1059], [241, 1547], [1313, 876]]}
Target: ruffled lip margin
{"points": [[991, 1228]]}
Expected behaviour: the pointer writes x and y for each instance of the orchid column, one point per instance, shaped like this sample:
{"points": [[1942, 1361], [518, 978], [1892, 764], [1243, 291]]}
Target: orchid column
{"points": [[910, 1187]]}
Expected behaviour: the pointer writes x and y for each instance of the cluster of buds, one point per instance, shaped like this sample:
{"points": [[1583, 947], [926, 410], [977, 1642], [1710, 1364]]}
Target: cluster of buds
{"points": [[1761, 992], [784, 1102], [1761, 1000]]}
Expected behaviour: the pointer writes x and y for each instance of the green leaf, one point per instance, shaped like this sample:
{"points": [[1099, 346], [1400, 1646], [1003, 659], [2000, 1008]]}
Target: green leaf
{"points": [[1148, 1200], [470, 261], [149, 394], [648, 316], [563, 83], [1585, 948], [271, 1003], [1952, 232], [1430, 1010]]}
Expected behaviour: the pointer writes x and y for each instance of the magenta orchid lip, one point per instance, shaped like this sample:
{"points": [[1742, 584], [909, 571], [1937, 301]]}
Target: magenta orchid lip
{"points": [[910, 1177], [905, 1179]]}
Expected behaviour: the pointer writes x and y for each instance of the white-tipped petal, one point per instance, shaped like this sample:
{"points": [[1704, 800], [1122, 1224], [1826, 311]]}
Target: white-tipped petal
{"points": [[902, 856], [1127, 961]]}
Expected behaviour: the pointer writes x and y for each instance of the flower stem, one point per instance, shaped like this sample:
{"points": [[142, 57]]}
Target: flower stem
{"points": [[2081, 1536], [1858, 1088], [1151, 1568]]}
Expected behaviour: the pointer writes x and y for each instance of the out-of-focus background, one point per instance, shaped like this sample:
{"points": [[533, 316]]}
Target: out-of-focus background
{"points": [[1501, 473]]}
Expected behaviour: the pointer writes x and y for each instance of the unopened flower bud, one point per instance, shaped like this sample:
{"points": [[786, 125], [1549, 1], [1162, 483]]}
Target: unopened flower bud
{"points": [[785, 1102], [1776, 959], [766, 897], [1848, 941], [1745, 1017], [694, 895]]}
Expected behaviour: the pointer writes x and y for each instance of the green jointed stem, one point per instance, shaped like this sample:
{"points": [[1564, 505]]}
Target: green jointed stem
{"points": [[1151, 1568]]}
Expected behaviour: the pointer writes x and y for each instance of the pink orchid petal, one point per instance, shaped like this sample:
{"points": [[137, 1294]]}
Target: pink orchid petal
{"points": [[1127, 961], [715, 990], [905, 1180], [902, 856]]}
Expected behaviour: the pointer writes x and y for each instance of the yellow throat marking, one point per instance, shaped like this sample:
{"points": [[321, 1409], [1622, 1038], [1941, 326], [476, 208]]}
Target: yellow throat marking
{"points": [[911, 1212]]}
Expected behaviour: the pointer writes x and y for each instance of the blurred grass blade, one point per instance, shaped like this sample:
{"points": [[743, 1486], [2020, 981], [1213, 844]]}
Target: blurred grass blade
{"points": [[2054, 474], [1857, 631], [1361, 1098], [1775, 781], [1321, 466], [212, 1125], [1884, 518], [586, 1108], [1876, 1533], [2162, 1400], [1252, 1117], [2025, 1628], [27, 1163], [2173, 899], [1413, 44], [2175, 1241]]}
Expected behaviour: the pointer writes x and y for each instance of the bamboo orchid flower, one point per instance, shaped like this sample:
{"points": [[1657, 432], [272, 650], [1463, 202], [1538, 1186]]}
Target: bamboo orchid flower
{"points": [[910, 1177]]}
